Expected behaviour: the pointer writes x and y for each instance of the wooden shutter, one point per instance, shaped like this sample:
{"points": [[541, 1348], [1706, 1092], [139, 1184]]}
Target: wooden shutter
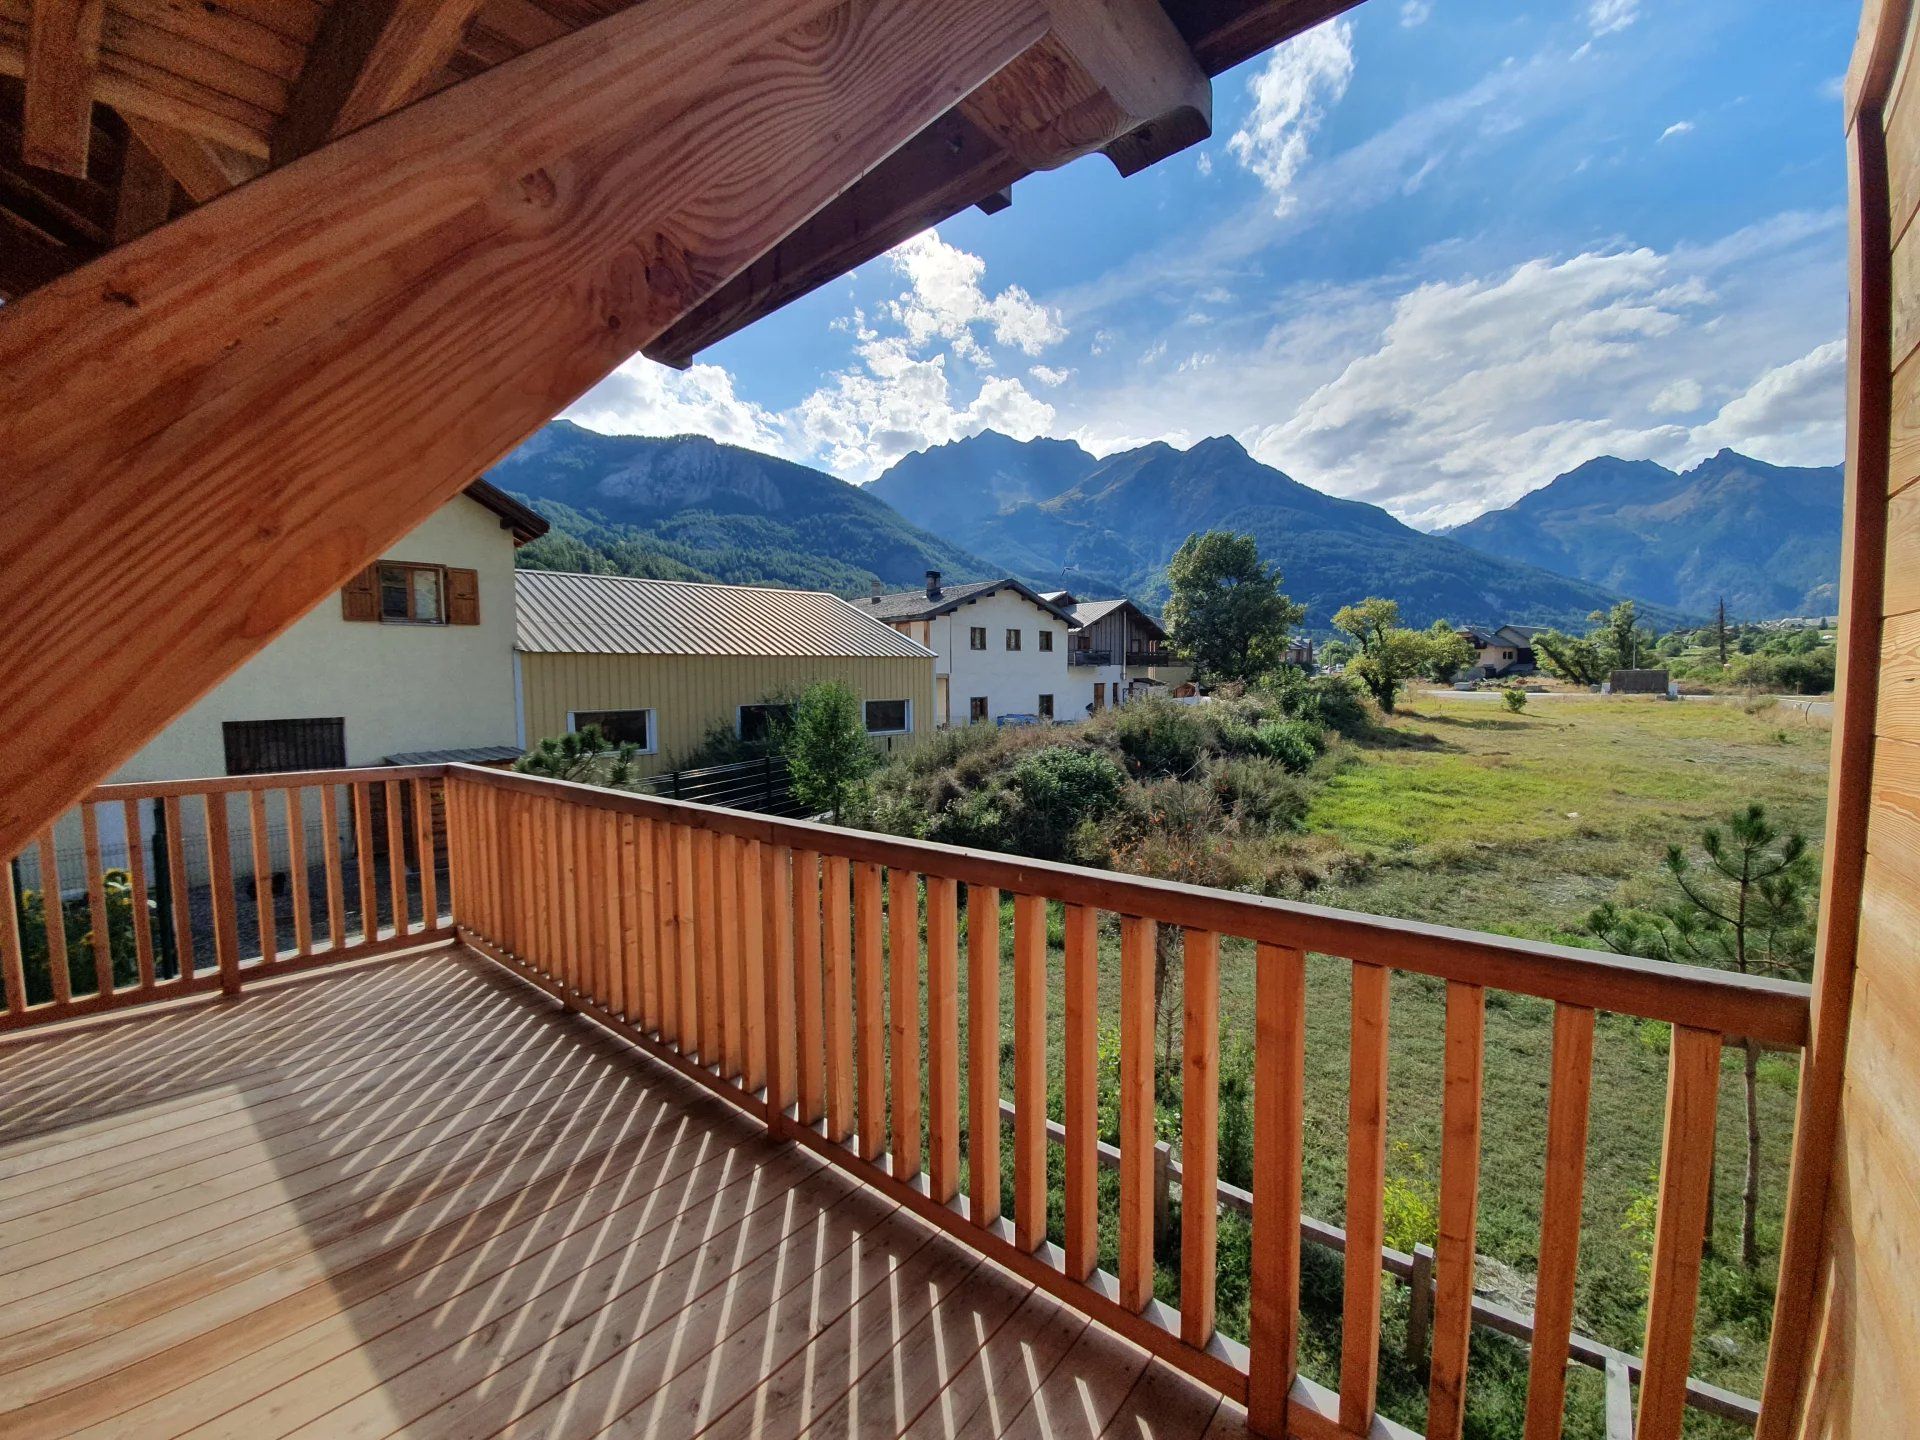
{"points": [[360, 596], [463, 597]]}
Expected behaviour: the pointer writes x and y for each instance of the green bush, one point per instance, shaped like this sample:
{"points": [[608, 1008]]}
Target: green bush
{"points": [[1296, 744], [1057, 789], [1259, 794], [1515, 699], [1160, 737], [1332, 703]]}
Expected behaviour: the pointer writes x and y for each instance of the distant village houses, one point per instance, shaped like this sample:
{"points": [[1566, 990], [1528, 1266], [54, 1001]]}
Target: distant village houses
{"points": [[1120, 648], [1501, 652]]}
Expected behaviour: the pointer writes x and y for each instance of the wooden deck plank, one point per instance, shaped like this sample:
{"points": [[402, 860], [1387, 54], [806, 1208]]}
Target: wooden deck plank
{"points": [[485, 1216]]}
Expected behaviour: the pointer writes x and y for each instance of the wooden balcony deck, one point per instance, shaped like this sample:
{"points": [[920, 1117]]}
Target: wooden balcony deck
{"points": [[419, 1197]]}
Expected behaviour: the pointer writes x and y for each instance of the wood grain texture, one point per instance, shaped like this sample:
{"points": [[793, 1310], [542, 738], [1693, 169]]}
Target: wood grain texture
{"points": [[943, 1039], [1136, 1111], [516, 237], [97, 926], [1456, 1248], [1199, 1134], [267, 931], [177, 882], [137, 886], [983, 1054], [52, 919], [1366, 1183], [1029, 1070], [870, 995], [63, 52], [776, 898], [203, 168], [298, 879], [1558, 1265], [838, 925], [12, 962], [903, 1018], [1279, 1118], [1673, 1283], [753, 960], [808, 1003], [1082, 1092]]}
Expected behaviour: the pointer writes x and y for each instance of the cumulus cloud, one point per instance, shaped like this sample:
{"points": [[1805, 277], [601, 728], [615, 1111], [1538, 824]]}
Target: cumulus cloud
{"points": [[1607, 16], [1415, 12], [642, 398], [945, 301], [1291, 94], [1682, 397], [1049, 376], [1679, 127], [1792, 414]]}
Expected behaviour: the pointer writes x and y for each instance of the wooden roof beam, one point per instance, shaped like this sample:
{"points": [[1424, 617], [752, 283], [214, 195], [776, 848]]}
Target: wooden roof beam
{"points": [[205, 168], [962, 165], [63, 53], [369, 59], [210, 428]]}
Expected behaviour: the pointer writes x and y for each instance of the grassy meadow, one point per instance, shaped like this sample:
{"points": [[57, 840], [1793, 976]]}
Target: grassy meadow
{"points": [[1457, 812]]}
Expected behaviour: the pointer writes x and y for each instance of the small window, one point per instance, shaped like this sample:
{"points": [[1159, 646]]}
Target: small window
{"points": [[886, 717], [1013, 639], [1134, 644], [758, 722], [412, 595], [977, 638], [261, 747], [621, 727], [1046, 639], [977, 709], [1046, 707]]}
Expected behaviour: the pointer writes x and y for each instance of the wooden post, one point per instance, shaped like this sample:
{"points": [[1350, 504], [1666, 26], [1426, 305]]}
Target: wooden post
{"points": [[1029, 1070], [1366, 1186], [983, 1053], [1082, 1093], [903, 1018], [1279, 1120], [1420, 1306], [1199, 1140]]}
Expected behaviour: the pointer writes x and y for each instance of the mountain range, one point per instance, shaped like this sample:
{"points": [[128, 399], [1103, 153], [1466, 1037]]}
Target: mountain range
{"points": [[1766, 538], [1048, 509]]}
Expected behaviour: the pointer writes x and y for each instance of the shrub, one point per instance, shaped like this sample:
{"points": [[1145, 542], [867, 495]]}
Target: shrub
{"points": [[1331, 702], [1515, 698], [1058, 788], [1259, 794], [1296, 744], [1160, 737]]}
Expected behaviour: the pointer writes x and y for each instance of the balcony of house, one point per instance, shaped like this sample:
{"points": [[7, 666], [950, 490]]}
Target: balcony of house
{"points": [[1089, 657], [600, 1113]]}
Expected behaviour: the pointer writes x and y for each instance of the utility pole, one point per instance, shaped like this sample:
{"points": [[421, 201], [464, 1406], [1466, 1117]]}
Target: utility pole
{"points": [[1720, 632]]}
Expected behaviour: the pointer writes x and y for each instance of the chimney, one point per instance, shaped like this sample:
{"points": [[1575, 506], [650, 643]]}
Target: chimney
{"points": [[876, 590], [933, 584]]}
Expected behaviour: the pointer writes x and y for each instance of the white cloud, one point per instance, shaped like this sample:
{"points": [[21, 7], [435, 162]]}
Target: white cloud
{"points": [[1607, 16], [945, 301], [1049, 376], [1793, 414], [642, 398], [1679, 127], [1682, 397], [1291, 94], [1203, 162], [1415, 12]]}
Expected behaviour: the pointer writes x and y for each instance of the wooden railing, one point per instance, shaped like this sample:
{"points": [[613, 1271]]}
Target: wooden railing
{"points": [[147, 892], [763, 957]]}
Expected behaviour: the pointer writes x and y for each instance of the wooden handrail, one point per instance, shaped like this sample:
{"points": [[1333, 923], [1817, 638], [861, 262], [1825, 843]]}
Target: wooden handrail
{"points": [[1773, 1012], [274, 780]]}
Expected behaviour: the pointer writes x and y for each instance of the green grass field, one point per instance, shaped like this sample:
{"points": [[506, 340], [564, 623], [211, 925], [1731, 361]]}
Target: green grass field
{"points": [[1520, 824]]}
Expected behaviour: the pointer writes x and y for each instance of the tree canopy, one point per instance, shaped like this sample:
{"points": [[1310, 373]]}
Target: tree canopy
{"points": [[1387, 652], [826, 747], [1228, 613]]}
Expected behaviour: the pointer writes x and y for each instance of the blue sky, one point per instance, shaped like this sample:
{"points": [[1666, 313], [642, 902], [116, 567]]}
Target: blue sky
{"points": [[1436, 252]]}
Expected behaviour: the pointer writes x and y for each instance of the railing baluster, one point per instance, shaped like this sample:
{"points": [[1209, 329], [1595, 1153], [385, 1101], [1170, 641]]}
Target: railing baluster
{"points": [[13, 974], [1082, 1093], [713, 1019], [397, 860], [53, 914], [685, 904], [1560, 1221], [645, 873], [363, 854], [177, 885], [806, 965], [837, 925], [102, 930], [733, 982], [137, 877], [870, 986], [626, 902], [297, 871], [423, 847], [943, 1038], [1455, 1249], [1199, 1134], [666, 932], [753, 964], [336, 888], [1366, 1185], [1686, 1178], [1279, 1119], [566, 895], [776, 905], [265, 925], [226, 921], [605, 827], [583, 902], [903, 1019], [1029, 1071], [1137, 939], [983, 1053]]}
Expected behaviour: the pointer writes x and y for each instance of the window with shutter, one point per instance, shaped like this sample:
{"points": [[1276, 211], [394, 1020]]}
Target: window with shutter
{"points": [[360, 596], [463, 597]]}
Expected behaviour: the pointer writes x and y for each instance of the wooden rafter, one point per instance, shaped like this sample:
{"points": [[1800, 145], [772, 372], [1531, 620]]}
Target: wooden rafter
{"points": [[369, 60], [145, 197], [63, 52], [205, 168], [212, 427]]}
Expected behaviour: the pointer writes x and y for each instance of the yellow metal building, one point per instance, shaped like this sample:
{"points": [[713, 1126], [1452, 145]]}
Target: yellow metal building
{"points": [[661, 663]]}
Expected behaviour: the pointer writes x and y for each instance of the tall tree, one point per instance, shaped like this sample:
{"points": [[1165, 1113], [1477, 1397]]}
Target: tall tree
{"points": [[1448, 653], [1746, 908], [826, 747], [1228, 613], [1388, 652]]}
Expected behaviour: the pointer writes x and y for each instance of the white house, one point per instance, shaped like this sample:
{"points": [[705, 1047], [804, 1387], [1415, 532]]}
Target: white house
{"points": [[999, 649]]}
